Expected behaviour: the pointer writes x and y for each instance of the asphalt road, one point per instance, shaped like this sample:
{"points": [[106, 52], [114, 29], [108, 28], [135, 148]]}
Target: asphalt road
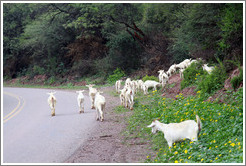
{"points": [[32, 135]]}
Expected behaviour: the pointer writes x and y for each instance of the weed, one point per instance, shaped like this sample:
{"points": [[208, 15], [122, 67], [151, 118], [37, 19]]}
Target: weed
{"points": [[220, 140]]}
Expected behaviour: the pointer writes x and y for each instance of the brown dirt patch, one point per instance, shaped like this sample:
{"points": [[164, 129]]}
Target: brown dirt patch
{"points": [[174, 91], [107, 143]]}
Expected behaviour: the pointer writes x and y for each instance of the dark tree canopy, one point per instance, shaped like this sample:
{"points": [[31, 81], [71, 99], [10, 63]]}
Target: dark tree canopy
{"points": [[96, 38]]}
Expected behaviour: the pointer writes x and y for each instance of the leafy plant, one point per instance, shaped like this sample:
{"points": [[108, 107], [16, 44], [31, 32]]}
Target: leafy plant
{"points": [[145, 78], [117, 74], [192, 75]]}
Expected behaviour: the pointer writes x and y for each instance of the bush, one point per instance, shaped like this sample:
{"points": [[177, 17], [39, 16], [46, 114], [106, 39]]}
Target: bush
{"points": [[192, 75], [145, 78], [214, 81], [118, 74], [235, 81]]}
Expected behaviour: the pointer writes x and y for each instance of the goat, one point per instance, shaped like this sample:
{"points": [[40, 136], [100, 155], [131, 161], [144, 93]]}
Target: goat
{"points": [[208, 69], [174, 132], [52, 102], [100, 104], [151, 83], [117, 86], [80, 100], [92, 94]]}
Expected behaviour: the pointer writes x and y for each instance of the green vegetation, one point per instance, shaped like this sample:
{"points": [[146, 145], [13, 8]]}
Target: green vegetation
{"points": [[192, 75], [145, 78], [235, 81], [221, 138], [118, 74], [93, 39]]}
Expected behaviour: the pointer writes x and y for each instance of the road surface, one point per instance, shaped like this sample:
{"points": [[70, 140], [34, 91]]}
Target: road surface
{"points": [[32, 135]]}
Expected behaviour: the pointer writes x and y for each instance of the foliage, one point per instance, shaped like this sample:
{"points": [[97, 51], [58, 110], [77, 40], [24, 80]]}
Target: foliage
{"points": [[213, 81], [145, 78], [218, 142], [117, 74], [237, 80], [73, 38], [192, 75]]}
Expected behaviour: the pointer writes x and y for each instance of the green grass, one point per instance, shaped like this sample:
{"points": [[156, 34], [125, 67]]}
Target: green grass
{"points": [[221, 137]]}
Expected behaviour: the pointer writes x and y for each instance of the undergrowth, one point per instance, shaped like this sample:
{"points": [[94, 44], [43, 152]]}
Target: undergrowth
{"points": [[221, 137]]}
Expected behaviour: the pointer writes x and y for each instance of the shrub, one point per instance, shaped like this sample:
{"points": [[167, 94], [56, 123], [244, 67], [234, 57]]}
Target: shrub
{"points": [[235, 81], [192, 74], [117, 74], [214, 81], [145, 78]]}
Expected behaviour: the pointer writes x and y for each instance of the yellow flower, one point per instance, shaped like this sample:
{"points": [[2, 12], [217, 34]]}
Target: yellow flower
{"points": [[186, 151], [225, 144], [174, 147], [216, 146], [232, 144], [191, 142], [219, 113], [198, 92], [238, 143], [204, 134], [236, 139], [147, 157], [176, 161], [230, 151], [216, 158], [202, 160], [211, 161], [220, 155], [209, 147], [214, 141], [189, 157], [229, 142], [176, 152]]}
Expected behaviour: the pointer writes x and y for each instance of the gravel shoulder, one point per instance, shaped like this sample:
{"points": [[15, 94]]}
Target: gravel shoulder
{"points": [[107, 143]]}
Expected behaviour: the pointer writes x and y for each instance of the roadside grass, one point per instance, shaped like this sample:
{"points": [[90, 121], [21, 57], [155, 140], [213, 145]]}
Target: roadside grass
{"points": [[221, 137], [70, 86]]}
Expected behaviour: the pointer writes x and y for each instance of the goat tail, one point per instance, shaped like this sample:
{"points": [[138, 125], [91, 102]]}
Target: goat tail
{"points": [[199, 123]]}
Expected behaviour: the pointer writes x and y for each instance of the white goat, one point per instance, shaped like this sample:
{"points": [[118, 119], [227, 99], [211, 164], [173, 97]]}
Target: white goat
{"points": [[171, 70], [100, 104], [128, 82], [181, 73], [174, 132], [117, 86], [129, 97], [52, 102], [160, 75], [92, 94], [208, 69], [151, 83], [140, 83], [122, 96], [184, 64], [145, 89], [164, 79], [80, 100]]}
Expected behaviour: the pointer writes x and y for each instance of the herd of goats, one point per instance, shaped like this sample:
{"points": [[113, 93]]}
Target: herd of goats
{"points": [[173, 132]]}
